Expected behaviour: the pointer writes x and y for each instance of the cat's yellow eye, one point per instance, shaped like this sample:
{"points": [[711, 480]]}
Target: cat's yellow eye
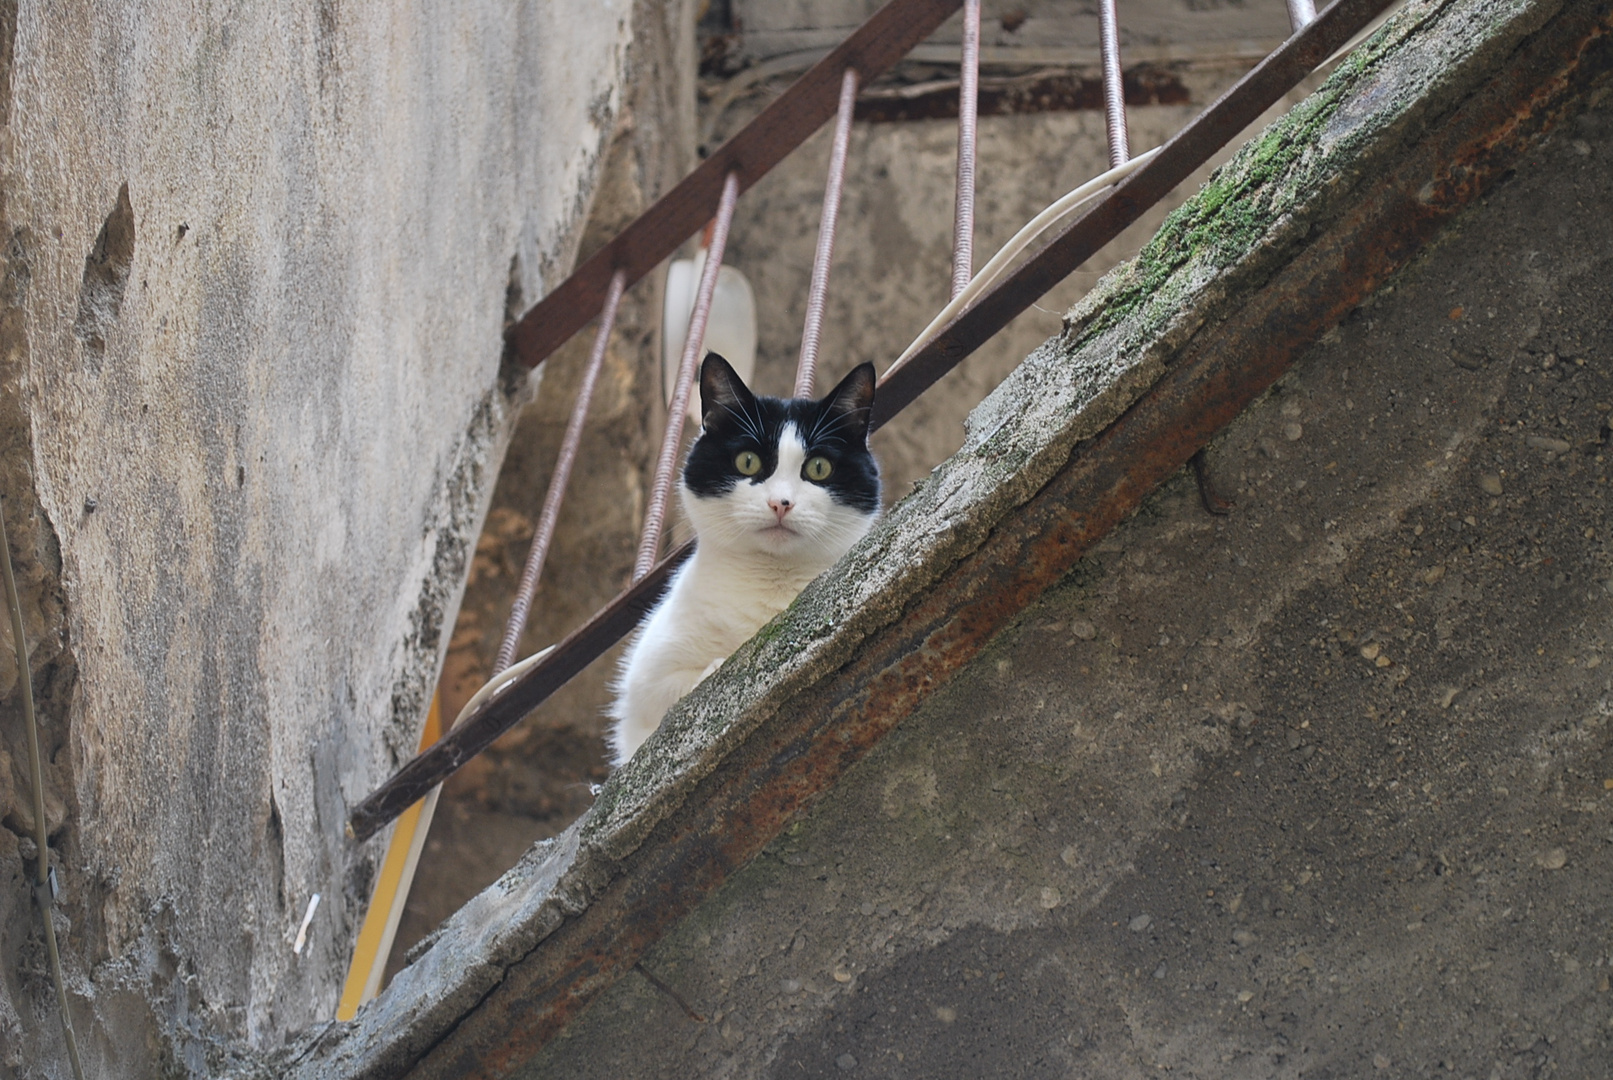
{"points": [[818, 468], [748, 463]]}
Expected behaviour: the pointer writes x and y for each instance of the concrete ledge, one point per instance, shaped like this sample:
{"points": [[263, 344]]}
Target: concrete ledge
{"points": [[1302, 225]]}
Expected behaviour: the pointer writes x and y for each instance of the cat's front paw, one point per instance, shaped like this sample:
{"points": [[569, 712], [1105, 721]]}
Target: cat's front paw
{"points": [[711, 667]]}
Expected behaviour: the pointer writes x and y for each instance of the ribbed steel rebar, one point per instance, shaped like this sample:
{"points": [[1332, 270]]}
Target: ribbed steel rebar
{"points": [[522, 608], [806, 369], [963, 229], [649, 543], [1114, 90]]}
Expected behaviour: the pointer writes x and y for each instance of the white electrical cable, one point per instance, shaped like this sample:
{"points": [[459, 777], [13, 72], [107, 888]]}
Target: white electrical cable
{"points": [[497, 684], [999, 263]]}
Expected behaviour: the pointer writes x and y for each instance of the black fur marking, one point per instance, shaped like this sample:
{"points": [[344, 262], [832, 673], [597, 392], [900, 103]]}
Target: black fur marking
{"points": [[735, 420]]}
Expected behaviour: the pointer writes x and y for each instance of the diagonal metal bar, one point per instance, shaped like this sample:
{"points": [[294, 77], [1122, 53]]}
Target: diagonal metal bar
{"points": [[806, 368], [501, 712], [763, 143], [564, 461], [1231, 113], [963, 228], [649, 542]]}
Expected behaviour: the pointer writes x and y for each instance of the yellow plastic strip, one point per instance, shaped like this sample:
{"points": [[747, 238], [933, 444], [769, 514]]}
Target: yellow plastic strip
{"points": [[391, 890]]}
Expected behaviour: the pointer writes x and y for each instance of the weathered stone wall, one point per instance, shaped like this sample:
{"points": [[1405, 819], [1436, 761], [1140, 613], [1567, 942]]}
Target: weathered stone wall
{"points": [[257, 266]]}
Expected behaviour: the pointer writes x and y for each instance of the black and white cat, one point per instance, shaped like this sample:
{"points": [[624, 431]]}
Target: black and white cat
{"points": [[777, 491]]}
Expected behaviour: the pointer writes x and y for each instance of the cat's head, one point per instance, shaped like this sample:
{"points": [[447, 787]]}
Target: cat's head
{"points": [[791, 478]]}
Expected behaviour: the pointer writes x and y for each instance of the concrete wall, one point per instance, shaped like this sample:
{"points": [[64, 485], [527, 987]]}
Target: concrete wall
{"points": [[1317, 789], [257, 267], [768, 28]]}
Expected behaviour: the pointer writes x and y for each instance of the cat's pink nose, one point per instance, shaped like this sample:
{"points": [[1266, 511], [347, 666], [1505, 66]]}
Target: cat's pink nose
{"points": [[780, 508]]}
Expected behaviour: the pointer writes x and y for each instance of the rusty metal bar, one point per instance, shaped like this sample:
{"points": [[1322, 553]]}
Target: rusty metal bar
{"points": [[963, 229], [1301, 13], [557, 483], [763, 143], [1240, 106], [1114, 90], [649, 543], [806, 368], [476, 731]]}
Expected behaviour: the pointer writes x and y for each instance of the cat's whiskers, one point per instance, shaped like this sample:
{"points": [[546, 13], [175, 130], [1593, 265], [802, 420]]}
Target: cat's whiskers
{"points": [[751, 426], [820, 433]]}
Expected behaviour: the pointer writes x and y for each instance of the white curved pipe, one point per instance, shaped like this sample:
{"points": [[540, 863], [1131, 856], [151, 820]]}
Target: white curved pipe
{"points": [[1020, 241]]}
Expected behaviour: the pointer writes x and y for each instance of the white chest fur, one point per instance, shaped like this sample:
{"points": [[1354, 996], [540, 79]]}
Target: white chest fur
{"points": [[707, 613]]}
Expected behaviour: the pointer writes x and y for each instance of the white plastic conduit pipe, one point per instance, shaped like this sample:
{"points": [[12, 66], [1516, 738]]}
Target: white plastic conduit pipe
{"points": [[1016, 245]]}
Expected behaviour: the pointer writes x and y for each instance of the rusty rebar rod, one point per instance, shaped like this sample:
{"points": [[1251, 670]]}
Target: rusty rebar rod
{"points": [[963, 228], [1114, 89], [649, 543], [541, 538], [1239, 107], [806, 368]]}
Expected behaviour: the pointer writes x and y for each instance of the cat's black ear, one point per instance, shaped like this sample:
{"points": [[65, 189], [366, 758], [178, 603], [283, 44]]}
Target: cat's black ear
{"points": [[722, 391], [854, 400]]}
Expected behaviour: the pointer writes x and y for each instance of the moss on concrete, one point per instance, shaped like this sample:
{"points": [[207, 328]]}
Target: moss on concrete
{"points": [[1297, 168], [1206, 833]]}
